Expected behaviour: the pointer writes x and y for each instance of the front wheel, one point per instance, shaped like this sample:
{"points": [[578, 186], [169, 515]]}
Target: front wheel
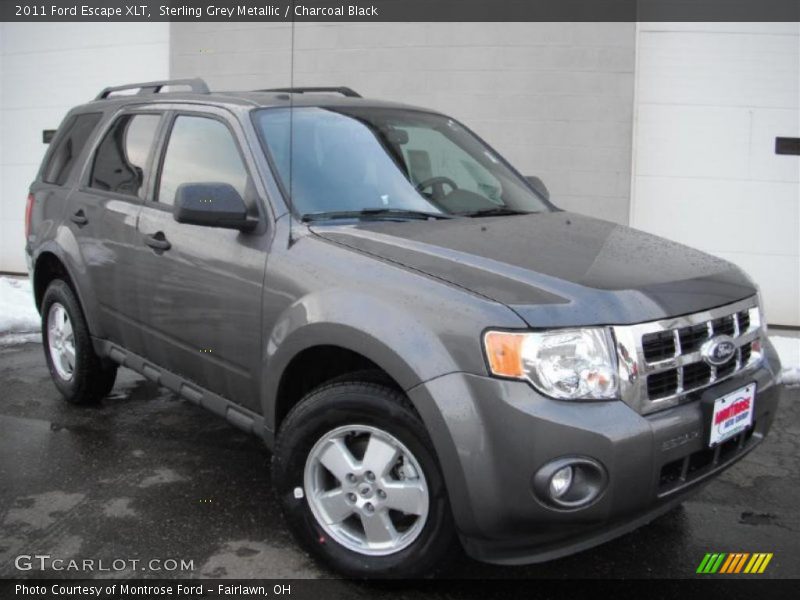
{"points": [[358, 479]]}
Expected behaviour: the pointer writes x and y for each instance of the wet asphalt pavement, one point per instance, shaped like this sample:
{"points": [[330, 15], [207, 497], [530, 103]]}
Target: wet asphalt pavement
{"points": [[147, 475]]}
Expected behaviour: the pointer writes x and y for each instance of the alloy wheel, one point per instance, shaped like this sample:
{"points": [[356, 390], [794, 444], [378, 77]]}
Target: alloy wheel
{"points": [[366, 490], [61, 341]]}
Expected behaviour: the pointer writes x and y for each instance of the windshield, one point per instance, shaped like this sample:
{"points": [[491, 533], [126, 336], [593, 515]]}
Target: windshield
{"points": [[388, 162]]}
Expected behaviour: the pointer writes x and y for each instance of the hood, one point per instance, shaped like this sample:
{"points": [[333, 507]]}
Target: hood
{"points": [[555, 269]]}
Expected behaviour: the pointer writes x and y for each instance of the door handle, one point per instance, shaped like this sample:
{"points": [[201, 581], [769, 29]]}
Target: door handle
{"points": [[157, 241], [79, 218]]}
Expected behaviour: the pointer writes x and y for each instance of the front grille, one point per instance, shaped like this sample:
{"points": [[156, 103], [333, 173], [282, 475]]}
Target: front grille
{"points": [[726, 369], [696, 375], [746, 351], [744, 320], [686, 342], [661, 363], [658, 346], [724, 326], [662, 384]]}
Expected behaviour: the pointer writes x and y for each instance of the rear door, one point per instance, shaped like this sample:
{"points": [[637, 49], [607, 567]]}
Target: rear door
{"points": [[103, 212], [201, 297]]}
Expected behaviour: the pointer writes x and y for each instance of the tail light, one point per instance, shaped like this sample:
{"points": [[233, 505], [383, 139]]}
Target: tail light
{"points": [[28, 211]]}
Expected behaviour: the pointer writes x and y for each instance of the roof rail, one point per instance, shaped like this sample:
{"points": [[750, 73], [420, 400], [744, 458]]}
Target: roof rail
{"points": [[344, 91], [197, 85]]}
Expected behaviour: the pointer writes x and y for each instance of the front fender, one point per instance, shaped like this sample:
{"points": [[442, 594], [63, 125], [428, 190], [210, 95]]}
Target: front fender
{"points": [[397, 341]]}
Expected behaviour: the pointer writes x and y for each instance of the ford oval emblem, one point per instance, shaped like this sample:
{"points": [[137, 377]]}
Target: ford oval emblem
{"points": [[718, 350]]}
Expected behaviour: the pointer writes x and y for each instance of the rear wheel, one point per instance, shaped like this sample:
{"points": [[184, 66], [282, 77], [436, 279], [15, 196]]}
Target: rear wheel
{"points": [[78, 373], [358, 479]]}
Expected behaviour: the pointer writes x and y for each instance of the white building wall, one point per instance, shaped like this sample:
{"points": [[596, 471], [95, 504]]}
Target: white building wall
{"points": [[710, 101], [46, 69]]}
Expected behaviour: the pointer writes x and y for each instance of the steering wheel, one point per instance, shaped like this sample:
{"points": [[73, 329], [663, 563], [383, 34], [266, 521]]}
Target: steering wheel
{"points": [[437, 186]]}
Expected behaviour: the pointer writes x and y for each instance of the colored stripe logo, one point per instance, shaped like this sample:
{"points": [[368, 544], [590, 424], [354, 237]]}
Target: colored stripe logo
{"points": [[731, 563]]}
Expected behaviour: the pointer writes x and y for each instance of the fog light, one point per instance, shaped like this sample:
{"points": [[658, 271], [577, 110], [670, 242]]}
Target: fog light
{"points": [[570, 482], [560, 482]]}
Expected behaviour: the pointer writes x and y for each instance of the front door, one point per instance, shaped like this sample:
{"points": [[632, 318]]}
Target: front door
{"points": [[201, 286]]}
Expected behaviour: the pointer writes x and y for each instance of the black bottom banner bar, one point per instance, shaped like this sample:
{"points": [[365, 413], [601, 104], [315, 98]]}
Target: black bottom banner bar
{"points": [[333, 589]]}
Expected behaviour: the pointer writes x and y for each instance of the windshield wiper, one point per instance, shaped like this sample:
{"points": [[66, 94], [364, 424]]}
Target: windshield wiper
{"points": [[497, 211], [392, 213]]}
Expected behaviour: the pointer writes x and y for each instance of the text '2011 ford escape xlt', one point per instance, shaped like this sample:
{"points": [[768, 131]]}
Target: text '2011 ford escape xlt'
{"points": [[435, 353]]}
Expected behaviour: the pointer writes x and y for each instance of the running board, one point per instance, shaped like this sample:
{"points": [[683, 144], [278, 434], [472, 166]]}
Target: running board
{"points": [[236, 415]]}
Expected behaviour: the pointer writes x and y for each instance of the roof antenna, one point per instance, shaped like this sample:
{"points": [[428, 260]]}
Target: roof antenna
{"points": [[291, 133]]}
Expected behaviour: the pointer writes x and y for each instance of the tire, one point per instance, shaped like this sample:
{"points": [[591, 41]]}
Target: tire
{"points": [[380, 412], [84, 379]]}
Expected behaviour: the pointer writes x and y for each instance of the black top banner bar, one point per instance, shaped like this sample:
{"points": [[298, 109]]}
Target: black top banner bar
{"points": [[399, 10]]}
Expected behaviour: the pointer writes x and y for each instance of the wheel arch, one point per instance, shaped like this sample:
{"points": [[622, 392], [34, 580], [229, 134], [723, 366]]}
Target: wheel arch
{"points": [[48, 267], [51, 263], [336, 328], [328, 352], [300, 377]]}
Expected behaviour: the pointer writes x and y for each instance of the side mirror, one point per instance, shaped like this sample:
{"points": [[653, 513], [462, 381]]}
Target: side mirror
{"points": [[538, 186], [211, 205]]}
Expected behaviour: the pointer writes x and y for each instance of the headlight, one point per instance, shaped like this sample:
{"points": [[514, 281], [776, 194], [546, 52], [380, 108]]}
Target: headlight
{"points": [[568, 364]]}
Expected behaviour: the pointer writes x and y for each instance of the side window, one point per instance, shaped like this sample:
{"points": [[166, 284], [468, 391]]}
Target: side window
{"points": [[200, 150], [69, 146], [121, 161]]}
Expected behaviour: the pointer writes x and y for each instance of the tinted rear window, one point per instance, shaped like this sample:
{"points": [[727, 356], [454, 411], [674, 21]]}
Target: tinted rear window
{"points": [[69, 146], [122, 158]]}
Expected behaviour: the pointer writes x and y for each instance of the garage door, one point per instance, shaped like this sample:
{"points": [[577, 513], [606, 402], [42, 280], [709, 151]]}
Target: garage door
{"points": [[711, 99]]}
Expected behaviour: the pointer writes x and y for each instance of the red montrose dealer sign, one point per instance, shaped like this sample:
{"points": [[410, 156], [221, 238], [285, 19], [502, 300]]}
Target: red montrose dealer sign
{"points": [[733, 413]]}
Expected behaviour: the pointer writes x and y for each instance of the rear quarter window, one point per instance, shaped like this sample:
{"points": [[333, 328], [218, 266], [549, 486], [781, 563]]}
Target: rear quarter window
{"points": [[121, 163], [68, 147]]}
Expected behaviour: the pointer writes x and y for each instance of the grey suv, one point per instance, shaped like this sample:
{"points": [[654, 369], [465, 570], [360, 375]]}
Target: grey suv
{"points": [[436, 355]]}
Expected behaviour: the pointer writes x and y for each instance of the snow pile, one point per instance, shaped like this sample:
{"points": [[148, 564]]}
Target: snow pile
{"points": [[19, 319], [789, 350], [12, 339]]}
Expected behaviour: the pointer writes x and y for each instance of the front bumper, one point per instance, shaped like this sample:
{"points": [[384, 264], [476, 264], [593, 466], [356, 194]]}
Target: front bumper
{"points": [[492, 435]]}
